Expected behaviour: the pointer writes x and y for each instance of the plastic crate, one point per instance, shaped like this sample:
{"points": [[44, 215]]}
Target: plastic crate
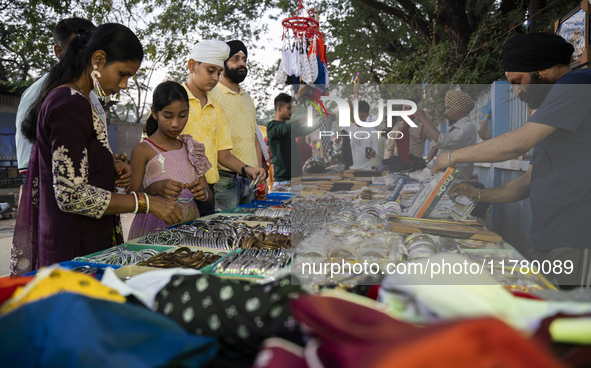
{"points": [[278, 196], [73, 264], [133, 247], [209, 269], [260, 204]]}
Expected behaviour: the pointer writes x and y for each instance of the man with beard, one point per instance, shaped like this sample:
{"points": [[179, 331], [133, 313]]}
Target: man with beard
{"points": [[558, 179], [240, 114], [206, 123], [461, 132]]}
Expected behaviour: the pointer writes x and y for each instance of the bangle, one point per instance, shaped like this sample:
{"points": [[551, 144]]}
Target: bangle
{"points": [[143, 203], [478, 199], [206, 196], [136, 201], [244, 170], [147, 203], [449, 158]]}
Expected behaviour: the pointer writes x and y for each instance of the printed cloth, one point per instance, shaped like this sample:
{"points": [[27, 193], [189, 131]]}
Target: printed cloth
{"points": [[240, 314]]}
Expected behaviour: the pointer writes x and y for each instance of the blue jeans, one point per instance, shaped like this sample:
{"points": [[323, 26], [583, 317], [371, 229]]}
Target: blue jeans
{"points": [[231, 190], [209, 208]]}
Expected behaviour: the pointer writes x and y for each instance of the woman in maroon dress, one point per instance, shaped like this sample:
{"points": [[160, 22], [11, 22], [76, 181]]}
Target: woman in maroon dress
{"points": [[68, 203]]}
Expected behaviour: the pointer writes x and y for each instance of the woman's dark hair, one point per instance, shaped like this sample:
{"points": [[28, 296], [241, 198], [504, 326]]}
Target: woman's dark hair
{"points": [[117, 41], [164, 94]]}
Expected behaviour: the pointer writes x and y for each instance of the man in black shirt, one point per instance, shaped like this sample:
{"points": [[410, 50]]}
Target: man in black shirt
{"points": [[287, 163], [558, 179]]}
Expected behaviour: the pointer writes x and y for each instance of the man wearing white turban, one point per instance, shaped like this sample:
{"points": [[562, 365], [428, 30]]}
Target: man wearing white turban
{"points": [[206, 121]]}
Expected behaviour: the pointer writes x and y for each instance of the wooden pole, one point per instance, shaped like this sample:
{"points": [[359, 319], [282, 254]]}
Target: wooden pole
{"points": [[533, 9]]}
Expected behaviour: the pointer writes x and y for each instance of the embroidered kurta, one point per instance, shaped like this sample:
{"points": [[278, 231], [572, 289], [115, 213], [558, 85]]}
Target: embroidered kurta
{"points": [[68, 186]]}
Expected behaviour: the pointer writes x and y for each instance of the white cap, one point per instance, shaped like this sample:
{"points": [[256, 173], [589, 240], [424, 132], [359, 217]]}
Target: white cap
{"points": [[211, 52]]}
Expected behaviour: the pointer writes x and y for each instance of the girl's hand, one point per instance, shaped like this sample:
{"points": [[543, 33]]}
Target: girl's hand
{"points": [[199, 192], [167, 188], [122, 174], [253, 172], [166, 210]]}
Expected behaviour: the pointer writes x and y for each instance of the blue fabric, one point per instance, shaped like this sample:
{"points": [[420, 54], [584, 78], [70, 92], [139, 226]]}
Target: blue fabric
{"points": [[485, 114], [232, 190], [321, 79], [70, 330], [560, 190]]}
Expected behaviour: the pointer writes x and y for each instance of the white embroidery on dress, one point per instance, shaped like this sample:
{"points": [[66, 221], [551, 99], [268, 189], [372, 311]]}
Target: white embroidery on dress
{"points": [[73, 193], [99, 127]]}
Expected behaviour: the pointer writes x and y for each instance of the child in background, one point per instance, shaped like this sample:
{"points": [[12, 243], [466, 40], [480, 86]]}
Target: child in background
{"points": [[167, 163]]}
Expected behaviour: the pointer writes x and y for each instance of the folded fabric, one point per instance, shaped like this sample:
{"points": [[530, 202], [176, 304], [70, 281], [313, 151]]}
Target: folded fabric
{"points": [[70, 330], [239, 313], [8, 286], [146, 285], [55, 280], [280, 353], [396, 163], [458, 296], [347, 334]]}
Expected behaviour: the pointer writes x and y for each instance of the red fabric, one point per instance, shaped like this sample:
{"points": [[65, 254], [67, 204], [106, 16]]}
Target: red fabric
{"points": [[373, 292], [355, 336], [8, 285], [525, 295], [305, 149], [279, 353]]}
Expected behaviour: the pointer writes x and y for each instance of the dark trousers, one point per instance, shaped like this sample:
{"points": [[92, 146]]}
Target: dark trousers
{"points": [[209, 208]]}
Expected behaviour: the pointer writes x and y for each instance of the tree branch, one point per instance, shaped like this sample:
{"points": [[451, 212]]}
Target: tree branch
{"points": [[414, 18]]}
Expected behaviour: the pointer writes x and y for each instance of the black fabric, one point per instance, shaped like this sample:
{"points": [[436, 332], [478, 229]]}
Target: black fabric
{"points": [[239, 314], [286, 154], [536, 51], [237, 46], [206, 209], [346, 153], [560, 190], [414, 163]]}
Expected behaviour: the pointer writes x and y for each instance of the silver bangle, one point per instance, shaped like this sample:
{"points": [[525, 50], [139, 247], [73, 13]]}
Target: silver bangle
{"points": [[136, 201], [206, 196], [449, 158]]}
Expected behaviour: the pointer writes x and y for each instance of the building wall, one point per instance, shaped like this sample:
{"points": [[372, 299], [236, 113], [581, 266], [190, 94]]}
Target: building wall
{"points": [[124, 136], [8, 108], [510, 220]]}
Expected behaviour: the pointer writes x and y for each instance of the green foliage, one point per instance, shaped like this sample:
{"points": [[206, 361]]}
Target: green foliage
{"points": [[374, 38]]}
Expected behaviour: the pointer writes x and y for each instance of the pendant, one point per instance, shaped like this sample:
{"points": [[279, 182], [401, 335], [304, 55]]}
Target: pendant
{"points": [[161, 160]]}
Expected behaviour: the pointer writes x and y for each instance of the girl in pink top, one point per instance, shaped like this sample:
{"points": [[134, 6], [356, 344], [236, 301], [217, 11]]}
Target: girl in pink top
{"points": [[168, 164]]}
